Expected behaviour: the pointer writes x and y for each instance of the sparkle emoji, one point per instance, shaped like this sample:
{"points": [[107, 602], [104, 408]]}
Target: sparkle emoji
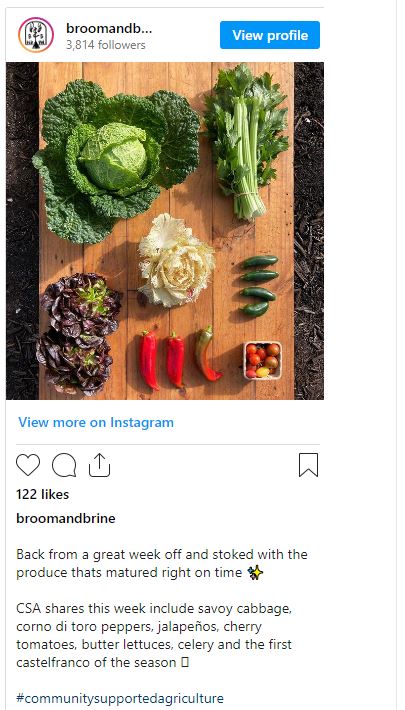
{"points": [[255, 573]]}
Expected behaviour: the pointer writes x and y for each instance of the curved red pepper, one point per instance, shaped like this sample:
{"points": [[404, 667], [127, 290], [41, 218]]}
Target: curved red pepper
{"points": [[175, 360], [147, 358], [203, 340]]}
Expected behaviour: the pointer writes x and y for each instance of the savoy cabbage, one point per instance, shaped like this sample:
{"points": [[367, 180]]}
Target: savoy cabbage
{"points": [[107, 158]]}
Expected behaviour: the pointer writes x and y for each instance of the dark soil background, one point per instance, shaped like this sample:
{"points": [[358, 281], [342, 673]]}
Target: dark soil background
{"points": [[22, 230], [308, 230]]}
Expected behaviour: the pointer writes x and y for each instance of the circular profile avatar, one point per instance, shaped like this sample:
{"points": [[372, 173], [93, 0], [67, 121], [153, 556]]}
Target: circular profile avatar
{"points": [[36, 34]]}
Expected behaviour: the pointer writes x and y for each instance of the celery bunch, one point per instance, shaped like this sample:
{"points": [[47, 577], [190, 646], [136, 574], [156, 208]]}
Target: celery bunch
{"points": [[244, 124]]}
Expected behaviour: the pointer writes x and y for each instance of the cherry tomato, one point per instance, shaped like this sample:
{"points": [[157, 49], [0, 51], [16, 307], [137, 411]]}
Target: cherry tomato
{"points": [[271, 363], [251, 373], [261, 353], [262, 372], [273, 349], [250, 349], [254, 359], [271, 372]]}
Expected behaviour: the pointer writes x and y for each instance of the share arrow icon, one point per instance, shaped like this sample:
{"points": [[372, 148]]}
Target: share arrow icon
{"points": [[99, 469]]}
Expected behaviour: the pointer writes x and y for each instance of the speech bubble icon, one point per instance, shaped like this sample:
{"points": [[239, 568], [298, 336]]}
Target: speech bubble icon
{"points": [[64, 465]]}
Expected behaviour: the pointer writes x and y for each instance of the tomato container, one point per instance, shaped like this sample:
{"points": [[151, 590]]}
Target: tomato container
{"points": [[275, 375]]}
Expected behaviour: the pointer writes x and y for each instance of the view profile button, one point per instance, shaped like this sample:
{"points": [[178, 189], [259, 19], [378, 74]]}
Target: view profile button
{"points": [[270, 35]]}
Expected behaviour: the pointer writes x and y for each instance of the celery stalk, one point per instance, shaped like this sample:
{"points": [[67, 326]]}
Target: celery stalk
{"points": [[244, 200], [245, 125], [248, 203]]}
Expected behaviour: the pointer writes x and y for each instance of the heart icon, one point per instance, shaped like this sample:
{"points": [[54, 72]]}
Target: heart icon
{"points": [[27, 464]]}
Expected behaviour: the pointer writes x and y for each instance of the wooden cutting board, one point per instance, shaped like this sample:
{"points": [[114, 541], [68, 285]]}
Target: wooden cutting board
{"points": [[210, 215]]}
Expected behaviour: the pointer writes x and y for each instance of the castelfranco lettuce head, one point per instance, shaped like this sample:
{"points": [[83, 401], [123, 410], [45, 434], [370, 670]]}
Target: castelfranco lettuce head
{"points": [[108, 158], [176, 265]]}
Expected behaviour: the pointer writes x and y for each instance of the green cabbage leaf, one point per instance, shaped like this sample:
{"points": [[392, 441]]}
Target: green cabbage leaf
{"points": [[107, 158]]}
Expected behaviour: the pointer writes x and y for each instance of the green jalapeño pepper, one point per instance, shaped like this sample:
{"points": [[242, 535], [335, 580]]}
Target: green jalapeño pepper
{"points": [[260, 275], [255, 309]]}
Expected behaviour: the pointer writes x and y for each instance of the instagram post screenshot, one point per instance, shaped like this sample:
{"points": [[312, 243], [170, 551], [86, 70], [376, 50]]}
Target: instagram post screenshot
{"points": [[199, 430]]}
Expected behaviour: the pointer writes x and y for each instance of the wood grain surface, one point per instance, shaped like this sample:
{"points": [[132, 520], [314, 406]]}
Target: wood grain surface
{"points": [[210, 215]]}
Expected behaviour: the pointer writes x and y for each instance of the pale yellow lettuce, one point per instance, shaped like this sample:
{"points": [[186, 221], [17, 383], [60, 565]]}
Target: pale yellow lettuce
{"points": [[176, 265]]}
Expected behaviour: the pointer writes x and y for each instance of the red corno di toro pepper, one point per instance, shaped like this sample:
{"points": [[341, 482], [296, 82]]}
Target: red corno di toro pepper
{"points": [[147, 358], [202, 342], [175, 360]]}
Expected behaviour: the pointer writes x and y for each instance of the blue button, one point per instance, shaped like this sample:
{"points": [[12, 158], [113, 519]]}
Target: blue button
{"points": [[270, 35]]}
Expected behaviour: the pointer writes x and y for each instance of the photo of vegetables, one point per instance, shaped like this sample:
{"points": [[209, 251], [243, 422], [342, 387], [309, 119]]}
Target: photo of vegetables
{"points": [[166, 230]]}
